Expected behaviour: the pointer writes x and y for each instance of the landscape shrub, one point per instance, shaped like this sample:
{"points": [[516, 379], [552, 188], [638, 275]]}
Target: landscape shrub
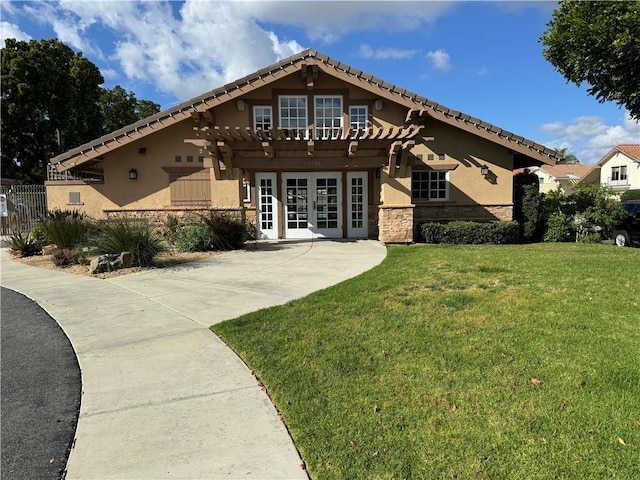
{"points": [[528, 206], [170, 228], [633, 194], [39, 235], [590, 207], [590, 238], [193, 237], [229, 233], [65, 257], [533, 215], [24, 245], [557, 228], [66, 228], [129, 235], [471, 232]]}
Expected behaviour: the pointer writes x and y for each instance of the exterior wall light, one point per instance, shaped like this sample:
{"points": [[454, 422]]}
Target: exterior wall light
{"points": [[484, 170], [377, 104], [133, 174]]}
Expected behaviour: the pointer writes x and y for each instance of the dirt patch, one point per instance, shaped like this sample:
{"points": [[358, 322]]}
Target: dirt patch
{"points": [[162, 260]]}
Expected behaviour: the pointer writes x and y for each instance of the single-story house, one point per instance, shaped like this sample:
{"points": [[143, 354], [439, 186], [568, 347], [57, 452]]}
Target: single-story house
{"points": [[305, 148], [562, 177], [618, 169]]}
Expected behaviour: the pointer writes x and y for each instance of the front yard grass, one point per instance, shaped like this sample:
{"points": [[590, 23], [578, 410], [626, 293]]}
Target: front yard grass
{"points": [[500, 362]]}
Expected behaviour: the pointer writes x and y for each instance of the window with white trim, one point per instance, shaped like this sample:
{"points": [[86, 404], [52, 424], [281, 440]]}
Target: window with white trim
{"points": [[430, 185], [262, 117], [328, 115], [358, 117], [293, 112], [619, 174]]}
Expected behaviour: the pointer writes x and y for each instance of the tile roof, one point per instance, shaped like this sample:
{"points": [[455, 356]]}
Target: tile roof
{"points": [[577, 171], [222, 94], [632, 150]]}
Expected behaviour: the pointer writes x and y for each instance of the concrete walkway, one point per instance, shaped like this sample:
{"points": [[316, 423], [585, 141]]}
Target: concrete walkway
{"points": [[163, 397]]}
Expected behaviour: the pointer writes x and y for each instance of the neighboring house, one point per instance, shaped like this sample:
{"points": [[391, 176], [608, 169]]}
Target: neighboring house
{"points": [[560, 177], [619, 169], [308, 147]]}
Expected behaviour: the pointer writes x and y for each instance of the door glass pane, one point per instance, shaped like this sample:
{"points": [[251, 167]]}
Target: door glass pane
{"points": [[297, 203], [326, 203]]}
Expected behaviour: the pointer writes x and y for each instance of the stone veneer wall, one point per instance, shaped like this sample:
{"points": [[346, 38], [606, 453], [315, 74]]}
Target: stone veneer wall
{"points": [[445, 212], [425, 213], [395, 223], [158, 216]]}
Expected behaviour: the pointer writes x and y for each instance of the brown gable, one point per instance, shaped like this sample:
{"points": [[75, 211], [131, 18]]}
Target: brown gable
{"points": [[419, 107]]}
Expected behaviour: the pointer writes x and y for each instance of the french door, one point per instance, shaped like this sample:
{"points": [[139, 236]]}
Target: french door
{"points": [[312, 204]]}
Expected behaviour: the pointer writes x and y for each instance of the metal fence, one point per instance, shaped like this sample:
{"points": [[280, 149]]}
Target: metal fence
{"points": [[26, 205]]}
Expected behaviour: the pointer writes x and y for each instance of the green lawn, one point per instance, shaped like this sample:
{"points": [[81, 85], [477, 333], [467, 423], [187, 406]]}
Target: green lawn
{"points": [[423, 367]]}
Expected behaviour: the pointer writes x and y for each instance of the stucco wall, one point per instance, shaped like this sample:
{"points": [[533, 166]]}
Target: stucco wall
{"points": [[633, 172]]}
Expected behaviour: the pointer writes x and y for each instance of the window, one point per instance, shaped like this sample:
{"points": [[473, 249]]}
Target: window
{"points": [[619, 174], [246, 188], [328, 116], [293, 113], [189, 158], [74, 197], [430, 185], [262, 118], [178, 158], [358, 118]]}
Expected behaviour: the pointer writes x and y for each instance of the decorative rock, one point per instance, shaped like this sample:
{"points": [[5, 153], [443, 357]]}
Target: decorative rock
{"points": [[49, 249], [110, 262]]}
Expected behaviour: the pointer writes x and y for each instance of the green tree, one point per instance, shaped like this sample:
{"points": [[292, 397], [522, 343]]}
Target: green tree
{"points": [[598, 43], [528, 207], [121, 108], [49, 104], [567, 158]]}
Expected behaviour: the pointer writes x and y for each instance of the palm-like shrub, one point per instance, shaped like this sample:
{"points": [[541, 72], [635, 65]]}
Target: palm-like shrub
{"points": [[66, 228], [24, 245], [129, 235]]}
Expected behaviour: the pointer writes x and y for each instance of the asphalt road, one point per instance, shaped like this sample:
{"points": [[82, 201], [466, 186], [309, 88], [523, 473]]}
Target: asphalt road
{"points": [[40, 391]]}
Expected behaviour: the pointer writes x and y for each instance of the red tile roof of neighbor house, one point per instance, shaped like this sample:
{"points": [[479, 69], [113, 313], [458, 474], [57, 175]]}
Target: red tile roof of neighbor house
{"points": [[632, 150], [416, 103], [575, 170]]}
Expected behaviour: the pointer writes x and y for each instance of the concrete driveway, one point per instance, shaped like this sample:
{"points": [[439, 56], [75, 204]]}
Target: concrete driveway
{"points": [[163, 397]]}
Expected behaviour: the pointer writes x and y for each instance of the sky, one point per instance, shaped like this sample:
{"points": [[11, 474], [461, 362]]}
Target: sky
{"points": [[481, 58]]}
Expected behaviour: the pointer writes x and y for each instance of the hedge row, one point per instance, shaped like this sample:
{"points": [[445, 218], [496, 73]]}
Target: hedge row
{"points": [[471, 232]]}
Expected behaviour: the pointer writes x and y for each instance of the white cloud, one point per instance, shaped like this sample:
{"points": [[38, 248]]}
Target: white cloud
{"points": [[9, 30], [191, 48], [328, 21], [589, 138], [385, 53], [440, 60], [480, 72]]}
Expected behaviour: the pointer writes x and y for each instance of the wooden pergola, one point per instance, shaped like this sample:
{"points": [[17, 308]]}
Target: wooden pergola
{"points": [[229, 148]]}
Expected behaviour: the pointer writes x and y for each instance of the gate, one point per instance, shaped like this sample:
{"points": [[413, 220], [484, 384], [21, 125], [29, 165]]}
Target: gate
{"points": [[26, 205]]}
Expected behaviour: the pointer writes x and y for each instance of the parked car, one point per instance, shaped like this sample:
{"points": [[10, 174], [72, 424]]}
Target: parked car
{"points": [[627, 232]]}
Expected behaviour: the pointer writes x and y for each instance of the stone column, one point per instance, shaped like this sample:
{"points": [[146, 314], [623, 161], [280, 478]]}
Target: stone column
{"points": [[395, 213]]}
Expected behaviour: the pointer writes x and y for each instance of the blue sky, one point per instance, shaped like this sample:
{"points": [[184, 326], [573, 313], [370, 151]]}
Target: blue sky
{"points": [[482, 58]]}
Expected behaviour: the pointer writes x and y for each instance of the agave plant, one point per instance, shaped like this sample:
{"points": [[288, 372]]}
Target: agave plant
{"points": [[129, 235], [24, 245]]}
